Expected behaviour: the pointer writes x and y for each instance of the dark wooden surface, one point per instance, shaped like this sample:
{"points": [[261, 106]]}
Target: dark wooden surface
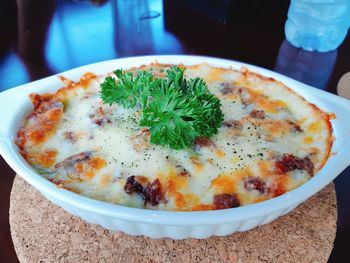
{"points": [[40, 38]]}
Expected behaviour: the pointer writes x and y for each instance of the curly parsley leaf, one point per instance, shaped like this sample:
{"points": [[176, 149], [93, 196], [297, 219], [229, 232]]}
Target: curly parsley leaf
{"points": [[128, 90], [209, 114], [175, 109], [170, 118]]}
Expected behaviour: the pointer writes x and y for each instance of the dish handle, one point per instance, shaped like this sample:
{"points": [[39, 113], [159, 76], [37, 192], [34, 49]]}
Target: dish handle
{"points": [[10, 111], [341, 109]]}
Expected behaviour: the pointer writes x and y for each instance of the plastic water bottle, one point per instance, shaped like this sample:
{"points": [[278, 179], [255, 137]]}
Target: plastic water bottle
{"points": [[317, 25]]}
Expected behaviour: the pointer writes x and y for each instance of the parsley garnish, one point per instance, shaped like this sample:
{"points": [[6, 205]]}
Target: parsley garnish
{"points": [[175, 110]]}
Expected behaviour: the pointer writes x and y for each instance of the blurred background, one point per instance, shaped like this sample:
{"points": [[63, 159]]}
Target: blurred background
{"points": [[40, 38], [44, 37]]}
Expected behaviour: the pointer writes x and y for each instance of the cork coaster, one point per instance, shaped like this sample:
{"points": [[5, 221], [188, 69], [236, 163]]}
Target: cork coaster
{"points": [[343, 87], [43, 232]]}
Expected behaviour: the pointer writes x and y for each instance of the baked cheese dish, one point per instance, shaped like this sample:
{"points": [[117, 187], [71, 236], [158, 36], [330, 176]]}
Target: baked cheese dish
{"points": [[271, 141]]}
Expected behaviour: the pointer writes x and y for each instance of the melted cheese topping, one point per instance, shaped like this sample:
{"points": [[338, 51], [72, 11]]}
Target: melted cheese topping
{"points": [[91, 148]]}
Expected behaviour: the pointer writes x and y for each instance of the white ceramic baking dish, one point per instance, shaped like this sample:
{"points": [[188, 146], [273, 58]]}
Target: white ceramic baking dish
{"points": [[14, 105]]}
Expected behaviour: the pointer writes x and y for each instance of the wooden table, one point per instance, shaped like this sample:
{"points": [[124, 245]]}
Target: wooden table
{"points": [[40, 38]]}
